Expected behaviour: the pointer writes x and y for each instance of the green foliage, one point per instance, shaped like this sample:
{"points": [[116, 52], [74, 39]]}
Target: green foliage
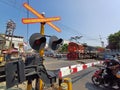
{"points": [[114, 40], [64, 48]]}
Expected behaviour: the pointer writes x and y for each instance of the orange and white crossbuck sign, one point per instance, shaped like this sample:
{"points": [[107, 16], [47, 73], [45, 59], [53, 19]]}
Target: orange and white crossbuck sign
{"points": [[40, 18]]}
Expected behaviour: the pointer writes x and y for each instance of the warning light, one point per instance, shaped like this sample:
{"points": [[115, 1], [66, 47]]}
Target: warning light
{"points": [[54, 42], [37, 41]]}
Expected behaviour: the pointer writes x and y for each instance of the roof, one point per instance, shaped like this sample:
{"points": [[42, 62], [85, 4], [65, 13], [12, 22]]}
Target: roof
{"points": [[13, 36], [13, 50]]}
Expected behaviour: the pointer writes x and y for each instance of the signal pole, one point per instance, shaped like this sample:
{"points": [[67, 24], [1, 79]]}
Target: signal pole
{"points": [[39, 82], [41, 52]]}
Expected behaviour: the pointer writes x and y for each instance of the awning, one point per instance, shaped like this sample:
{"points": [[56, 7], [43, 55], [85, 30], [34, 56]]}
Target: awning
{"points": [[10, 51]]}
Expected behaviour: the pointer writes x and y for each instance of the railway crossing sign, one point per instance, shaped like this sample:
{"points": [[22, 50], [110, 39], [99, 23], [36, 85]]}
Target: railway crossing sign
{"points": [[37, 20], [40, 18]]}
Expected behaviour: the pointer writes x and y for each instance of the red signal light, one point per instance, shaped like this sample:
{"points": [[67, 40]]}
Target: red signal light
{"points": [[37, 42]]}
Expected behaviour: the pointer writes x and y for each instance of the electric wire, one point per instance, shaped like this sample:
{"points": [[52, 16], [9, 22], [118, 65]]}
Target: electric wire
{"points": [[65, 28], [27, 24], [14, 4], [75, 32]]}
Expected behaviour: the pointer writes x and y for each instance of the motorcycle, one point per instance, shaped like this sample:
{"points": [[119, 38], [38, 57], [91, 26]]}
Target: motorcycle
{"points": [[99, 78]]}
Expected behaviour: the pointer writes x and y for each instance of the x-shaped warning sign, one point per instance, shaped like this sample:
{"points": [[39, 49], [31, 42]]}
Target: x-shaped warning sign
{"points": [[40, 18]]}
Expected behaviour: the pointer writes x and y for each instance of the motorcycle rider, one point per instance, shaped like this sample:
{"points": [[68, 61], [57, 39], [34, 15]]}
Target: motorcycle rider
{"points": [[112, 69]]}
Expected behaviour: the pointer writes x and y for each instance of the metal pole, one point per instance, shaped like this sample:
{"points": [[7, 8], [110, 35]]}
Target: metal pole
{"points": [[29, 85], [41, 53], [27, 24]]}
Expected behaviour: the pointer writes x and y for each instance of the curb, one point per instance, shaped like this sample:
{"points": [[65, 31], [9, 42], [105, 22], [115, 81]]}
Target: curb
{"points": [[64, 71]]}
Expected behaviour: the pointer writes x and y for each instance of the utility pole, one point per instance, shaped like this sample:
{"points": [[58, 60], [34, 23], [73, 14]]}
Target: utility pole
{"points": [[102, 43], [27, 24], [9, 31]]}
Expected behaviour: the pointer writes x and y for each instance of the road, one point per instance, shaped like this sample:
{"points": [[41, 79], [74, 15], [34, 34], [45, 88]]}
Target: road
{"points": [[80, 80], [54, 63]]}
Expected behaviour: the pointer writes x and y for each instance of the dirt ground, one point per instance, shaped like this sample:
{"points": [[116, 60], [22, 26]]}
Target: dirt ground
{"points": [[23, 86]]}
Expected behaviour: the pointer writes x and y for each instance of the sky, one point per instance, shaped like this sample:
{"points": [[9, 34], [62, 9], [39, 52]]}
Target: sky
{"points": [[91, 19]]}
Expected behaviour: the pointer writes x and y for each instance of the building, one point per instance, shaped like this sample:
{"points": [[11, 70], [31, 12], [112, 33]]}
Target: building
{"points": [[17, 42], [66, 41]]}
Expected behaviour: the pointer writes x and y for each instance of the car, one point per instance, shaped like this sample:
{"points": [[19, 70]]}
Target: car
{"points": [[108, 57]]}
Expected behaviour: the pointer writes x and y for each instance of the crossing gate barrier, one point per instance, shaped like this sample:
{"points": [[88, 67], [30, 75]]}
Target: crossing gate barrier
{"points": [[64, 71], [79, 67], [73, 69]]}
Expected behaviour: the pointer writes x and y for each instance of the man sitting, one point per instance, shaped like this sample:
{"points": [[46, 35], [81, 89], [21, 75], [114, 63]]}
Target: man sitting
{"points": [[111, 70]]}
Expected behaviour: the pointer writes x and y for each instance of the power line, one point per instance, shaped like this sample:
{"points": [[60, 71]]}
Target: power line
{"points": [[74, 31], [27, 24], [15, 5], [70, 29]]}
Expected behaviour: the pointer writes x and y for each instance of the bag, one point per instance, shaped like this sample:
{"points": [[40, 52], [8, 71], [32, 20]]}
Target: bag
{"points": [[115, 69], [118, 74]]}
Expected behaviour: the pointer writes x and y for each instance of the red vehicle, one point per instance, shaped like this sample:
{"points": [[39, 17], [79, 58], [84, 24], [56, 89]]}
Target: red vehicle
{"points": [[79, 51], [99, 78]]}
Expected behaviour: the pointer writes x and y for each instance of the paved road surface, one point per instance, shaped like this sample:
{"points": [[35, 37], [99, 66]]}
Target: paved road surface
{"points": [[53, 64], [82, 80]]}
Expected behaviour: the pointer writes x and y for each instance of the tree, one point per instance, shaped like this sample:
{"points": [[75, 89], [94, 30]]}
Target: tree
{"points": [[114, 41], [64, 48]]}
